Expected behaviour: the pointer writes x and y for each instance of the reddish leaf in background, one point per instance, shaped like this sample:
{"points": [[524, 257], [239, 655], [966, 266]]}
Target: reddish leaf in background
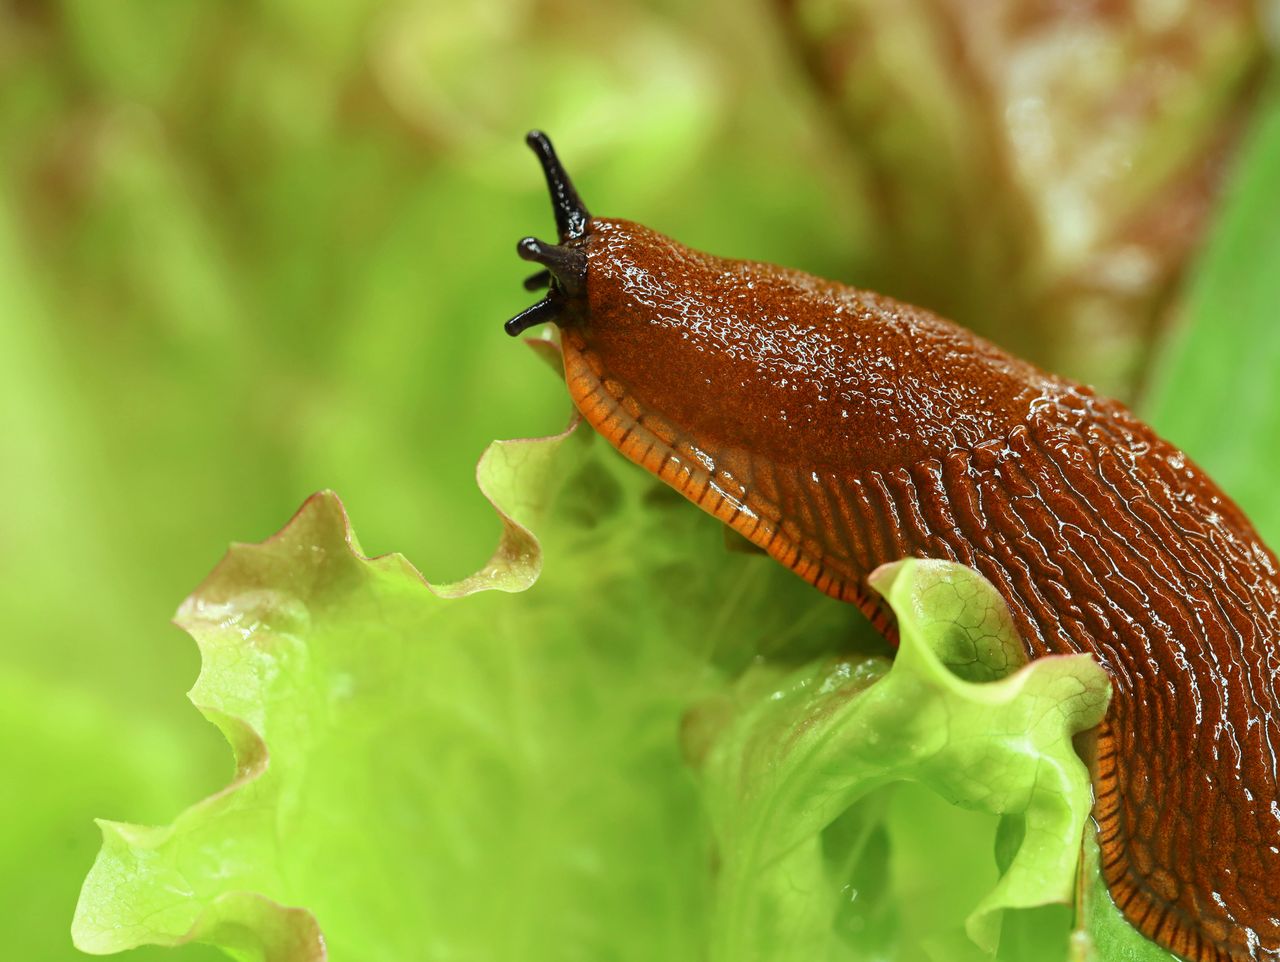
{"points": [[1039, 172]]}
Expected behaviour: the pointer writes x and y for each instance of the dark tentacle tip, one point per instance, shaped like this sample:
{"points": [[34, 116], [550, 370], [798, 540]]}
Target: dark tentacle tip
{"points": [[532, 249], [542, 312], [540, 143]]}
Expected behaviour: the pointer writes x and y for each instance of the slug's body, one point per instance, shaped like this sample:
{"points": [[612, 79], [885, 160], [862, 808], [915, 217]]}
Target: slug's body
{"points": [[839, 430]]}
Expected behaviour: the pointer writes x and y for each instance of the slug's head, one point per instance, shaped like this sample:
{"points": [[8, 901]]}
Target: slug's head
{"points": [[564, 265], [667, 344]]}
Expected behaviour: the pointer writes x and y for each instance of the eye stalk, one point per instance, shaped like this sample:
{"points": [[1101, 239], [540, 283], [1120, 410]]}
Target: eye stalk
{"points": [[565, 263], [571, 212]]}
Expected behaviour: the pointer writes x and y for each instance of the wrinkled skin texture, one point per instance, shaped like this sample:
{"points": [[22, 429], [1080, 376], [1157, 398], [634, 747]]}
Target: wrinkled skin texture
{"points": [[839, 430]]}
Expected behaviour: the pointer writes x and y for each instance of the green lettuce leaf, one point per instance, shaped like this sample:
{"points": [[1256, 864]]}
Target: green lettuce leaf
{"points": [[957, 711], [456, 773], [302, 640], [452, 772]]}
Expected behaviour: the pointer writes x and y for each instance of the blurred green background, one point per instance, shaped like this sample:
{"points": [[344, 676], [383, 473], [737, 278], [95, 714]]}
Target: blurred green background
{"points": [[252, 250]]}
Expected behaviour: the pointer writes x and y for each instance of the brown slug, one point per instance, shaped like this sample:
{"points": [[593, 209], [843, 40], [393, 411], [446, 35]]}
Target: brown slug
{"points": [[839, 430]]}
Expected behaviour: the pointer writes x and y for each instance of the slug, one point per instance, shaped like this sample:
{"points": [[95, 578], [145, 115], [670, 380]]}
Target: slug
{"points": [[838, 430]]}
